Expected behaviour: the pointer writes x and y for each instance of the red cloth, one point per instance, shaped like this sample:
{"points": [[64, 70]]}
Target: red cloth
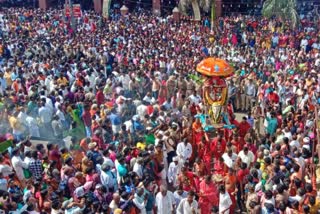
{"points": [[242, 173], [86, 117], [219, 167], [93, 27], [208, 196], [237, 143], [207, 154], [150, 109], [100, 97], [187, 181], [252, 148], [230, 110], [235, 122], [54, 155], [273, 97], [218, 147], [244, 127], [98, 140]]}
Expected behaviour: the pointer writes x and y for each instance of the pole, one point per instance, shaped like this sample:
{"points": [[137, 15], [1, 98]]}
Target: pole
{"points": [[213, 14], [73, 21]]}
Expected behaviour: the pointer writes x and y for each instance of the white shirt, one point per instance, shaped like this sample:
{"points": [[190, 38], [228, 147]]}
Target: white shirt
{"points": [[186, 208], [137, 168], [108, 161], [48, 102], [165, 203], [173, 171], [224, 202], [304, 43], [195, 99], [91, 79], [140, 204], [295, 198], [107, 180], [60, 114], [229, 161], [27, 160], [184, 151], [148, 99], [125, 79], [251, 90], [18, 165], [246, 158], [33, 127], [142, 111], [53, 211], [5, 170], [178, 197], [3, 184], [294, 143], [45, 114], [288, 135], [22, 117]]}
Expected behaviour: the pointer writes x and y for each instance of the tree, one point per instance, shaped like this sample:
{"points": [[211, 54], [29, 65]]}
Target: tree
{"points": [[196, 5], [283, 9]]}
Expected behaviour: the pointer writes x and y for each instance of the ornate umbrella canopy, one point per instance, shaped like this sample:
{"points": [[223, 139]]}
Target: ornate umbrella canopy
{"points": [[215, 67]]}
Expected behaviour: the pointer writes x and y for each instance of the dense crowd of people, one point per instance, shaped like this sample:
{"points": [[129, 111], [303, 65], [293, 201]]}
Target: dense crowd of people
{"points": [[101, 116]]}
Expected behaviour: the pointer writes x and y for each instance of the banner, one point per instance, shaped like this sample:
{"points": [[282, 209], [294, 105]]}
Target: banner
{"points": [[106, 8], [5, 145], [76, 10]]}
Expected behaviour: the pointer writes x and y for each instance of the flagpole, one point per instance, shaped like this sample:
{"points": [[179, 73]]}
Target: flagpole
{"points": [[213, 12]]}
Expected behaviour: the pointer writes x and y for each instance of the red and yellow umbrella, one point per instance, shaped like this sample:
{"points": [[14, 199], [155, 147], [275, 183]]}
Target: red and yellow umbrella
{"points": [[215, 67]]}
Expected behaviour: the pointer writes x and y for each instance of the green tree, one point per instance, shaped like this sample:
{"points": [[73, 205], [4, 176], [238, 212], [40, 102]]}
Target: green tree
{"points": [[283, 9]]}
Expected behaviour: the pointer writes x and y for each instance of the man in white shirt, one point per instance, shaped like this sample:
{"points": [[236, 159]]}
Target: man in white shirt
{"points": [[165, 202], [229, 158], [5, 170], [106, 159], [18, 165], [125, 80], [47, 101], [188, 205], [137, 167], [33, 127], [179, 194], [246, 156], [148, 98], [61, 116], [45, 114], [224, 200], [173, 171], [294, 142], [108, 178], [195, 98], [184, 150], [91, 78], [142, 110], [250, 93], [303, 44]]}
